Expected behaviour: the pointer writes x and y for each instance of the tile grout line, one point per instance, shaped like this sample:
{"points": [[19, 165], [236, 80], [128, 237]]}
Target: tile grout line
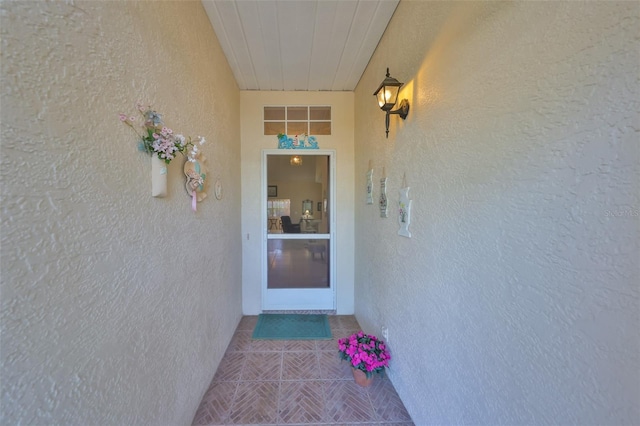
{"points": [[325, 409], [235, 392], [278, 406]]}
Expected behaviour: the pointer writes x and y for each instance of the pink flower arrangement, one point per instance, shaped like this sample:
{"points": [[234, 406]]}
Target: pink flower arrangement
{"points": [[365, 352], [157, 139]]}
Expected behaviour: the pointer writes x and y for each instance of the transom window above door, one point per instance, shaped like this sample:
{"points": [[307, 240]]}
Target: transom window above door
{"points": [[297, 120]]}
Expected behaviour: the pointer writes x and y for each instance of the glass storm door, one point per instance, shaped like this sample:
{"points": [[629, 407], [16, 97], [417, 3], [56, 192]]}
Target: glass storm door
{"points": [[298, 270]]}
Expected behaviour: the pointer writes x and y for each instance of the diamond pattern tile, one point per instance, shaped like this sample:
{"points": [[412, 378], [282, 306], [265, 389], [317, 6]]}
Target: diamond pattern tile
{"points": [[386, 402], [348, 402], [301, 402], [230, 367], [301, 345], [331, 367], [302, 382], [328, 345], [214, 408], [262, 366], [241, 341], [255, 403], [267, 345], [300, 366]]}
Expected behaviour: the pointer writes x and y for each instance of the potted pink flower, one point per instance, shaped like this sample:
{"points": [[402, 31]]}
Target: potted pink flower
{"points": [[367, 355]]}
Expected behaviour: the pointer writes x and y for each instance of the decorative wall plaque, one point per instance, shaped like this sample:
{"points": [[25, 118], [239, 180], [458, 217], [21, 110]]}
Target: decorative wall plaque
{"points": [[383, 197], [404, 210]]}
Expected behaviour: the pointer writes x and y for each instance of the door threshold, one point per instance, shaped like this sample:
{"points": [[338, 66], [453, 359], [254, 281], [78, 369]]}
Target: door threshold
{"points": [[302, 312]]}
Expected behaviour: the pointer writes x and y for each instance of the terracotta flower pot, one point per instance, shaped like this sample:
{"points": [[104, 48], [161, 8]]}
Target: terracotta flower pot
{"points": [[361, 378]]}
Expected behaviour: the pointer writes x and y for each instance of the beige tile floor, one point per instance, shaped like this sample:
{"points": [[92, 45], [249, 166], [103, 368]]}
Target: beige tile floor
{"points": [[303, 382]]}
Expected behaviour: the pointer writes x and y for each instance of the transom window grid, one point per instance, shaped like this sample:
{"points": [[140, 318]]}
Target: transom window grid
{"points": [[296, 120]]}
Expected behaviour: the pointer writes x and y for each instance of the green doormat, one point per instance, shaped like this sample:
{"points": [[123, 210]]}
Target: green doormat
{"points": [[292, 327]]}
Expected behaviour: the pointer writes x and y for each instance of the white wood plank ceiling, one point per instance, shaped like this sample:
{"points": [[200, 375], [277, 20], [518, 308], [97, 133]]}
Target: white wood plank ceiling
{"points": [[299, 44]]}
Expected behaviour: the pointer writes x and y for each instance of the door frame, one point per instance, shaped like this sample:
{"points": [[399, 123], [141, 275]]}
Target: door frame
{"points": [[306, 299]]}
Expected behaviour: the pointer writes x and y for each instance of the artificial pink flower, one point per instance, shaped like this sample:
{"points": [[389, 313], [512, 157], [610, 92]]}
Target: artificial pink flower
{"points": [[364, 352]]}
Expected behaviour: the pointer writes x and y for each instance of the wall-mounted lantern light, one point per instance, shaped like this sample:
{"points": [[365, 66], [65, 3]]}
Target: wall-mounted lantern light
{"points": [[387, 95]]}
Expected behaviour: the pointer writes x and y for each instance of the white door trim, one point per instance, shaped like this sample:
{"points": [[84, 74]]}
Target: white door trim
{"points": [[299, 299]]}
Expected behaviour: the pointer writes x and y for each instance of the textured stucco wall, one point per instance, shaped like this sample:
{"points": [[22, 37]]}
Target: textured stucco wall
{"points": [[517, 299], [116, 306], [253, 142]]}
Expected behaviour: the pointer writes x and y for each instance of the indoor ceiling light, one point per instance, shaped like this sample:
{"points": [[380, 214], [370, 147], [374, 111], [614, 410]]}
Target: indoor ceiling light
{"points": [[296, 160], [387, 95]]}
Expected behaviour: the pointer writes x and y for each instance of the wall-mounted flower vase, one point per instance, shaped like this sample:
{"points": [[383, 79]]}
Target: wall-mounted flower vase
{"points": [[195, 172], [159, 173], [160, 142]]}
